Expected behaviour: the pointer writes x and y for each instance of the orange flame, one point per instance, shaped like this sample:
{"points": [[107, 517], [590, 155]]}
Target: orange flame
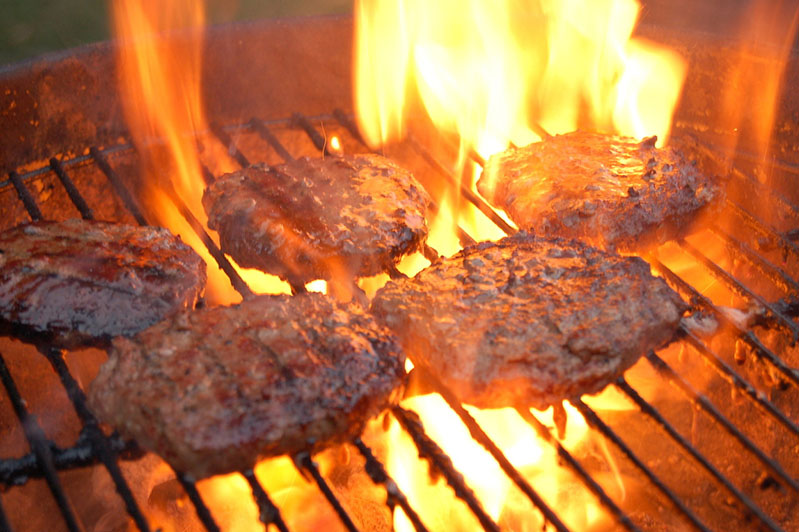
{"points": [[492, 71], [160, 73]]}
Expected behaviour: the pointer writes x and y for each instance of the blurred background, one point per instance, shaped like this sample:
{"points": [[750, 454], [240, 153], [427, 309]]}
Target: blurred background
{"points": [[33, 27]]}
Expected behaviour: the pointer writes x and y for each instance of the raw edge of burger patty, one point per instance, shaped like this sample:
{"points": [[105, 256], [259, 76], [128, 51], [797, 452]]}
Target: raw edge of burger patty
{"points": [[81, 282], [611, 191], [213, 390], [529, 321], [313, 218]]}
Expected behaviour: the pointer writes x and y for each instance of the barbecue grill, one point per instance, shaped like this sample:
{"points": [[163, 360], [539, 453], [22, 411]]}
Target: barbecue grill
{"points": [[692, 458]]}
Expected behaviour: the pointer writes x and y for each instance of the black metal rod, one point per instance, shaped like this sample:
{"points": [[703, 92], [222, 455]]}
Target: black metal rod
{"points": [[700, 399], [5, 526], [317, 138], [758, 189], [483, 439], [25, 196], [757, 224], [97, 439], [394, 495], [224, 264], [119, 186], [738, 287], [760, 350], [41, 447], [203, 513], [441, 461], [465, 191], [775, 274], [729, 374], [231, 146], [73, 192], [268, 513], [595, 421], [17, 471], [755, 189], [261, 128], [304, 459], [208, 176], [572, 462], [653, 414]]}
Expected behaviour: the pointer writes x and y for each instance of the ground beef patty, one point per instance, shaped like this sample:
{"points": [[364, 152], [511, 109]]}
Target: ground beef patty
{"points": [[530, 321], [319, 218], [82, 282], [613, 192], [215, 389]]}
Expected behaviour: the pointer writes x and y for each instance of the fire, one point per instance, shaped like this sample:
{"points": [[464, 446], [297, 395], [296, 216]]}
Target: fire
{"points": [[160, 66], [493, 71], [493, 74], [490, 73]]}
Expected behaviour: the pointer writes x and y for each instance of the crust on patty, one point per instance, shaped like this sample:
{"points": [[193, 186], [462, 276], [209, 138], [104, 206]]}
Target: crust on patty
{"points": [[213, 390], [613, 192], [530, 321], [309, 219]]}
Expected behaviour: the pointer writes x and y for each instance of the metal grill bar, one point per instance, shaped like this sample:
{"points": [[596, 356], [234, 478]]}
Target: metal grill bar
{"points": [[300, 120], [41, 447], [5, 526], [731, 376], [235, 279], [465, 191], [224, 138], [653, 414], [268, 513], [238, 283], [17, 471], [25, 195], [760, 350], [261, 128], [700, 399], [203, 513], [394, 495], [761, 227], [304, 460], [119, 187], [71, 189], [736, 286], [72, 456], [595, 421], [751, 187], [99, 444], [483, 439], [774, 273], [572, 462], [440, 461]]}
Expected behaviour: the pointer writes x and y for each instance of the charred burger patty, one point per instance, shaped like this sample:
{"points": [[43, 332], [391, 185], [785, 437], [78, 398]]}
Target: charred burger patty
{"points": [[614, 192], [215, 389], [82, 282], [530, 321], [319, 218]]}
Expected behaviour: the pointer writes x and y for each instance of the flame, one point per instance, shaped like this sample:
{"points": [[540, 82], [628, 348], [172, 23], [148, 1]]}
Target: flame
{"points": [[499, 497], [160, 70], [493, 71]]}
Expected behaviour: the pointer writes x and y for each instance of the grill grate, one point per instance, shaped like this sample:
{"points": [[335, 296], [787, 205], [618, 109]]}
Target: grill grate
{"points": [[94, 447]]}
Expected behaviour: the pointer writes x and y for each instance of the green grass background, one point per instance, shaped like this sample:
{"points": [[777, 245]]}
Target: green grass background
{"points": [[32, 27]]}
